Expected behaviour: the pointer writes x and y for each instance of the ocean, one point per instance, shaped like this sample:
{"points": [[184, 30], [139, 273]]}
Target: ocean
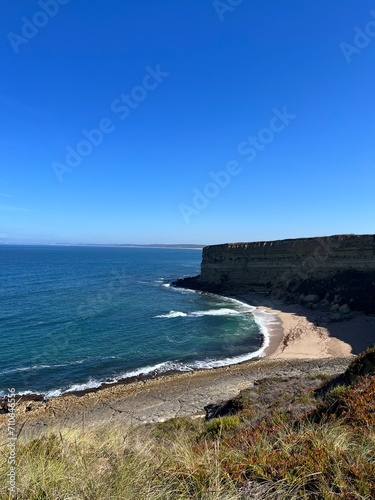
{"points": [[73, 318]]}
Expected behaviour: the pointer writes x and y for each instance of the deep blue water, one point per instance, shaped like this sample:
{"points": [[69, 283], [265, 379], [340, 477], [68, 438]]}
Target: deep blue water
{"points": [[74, 317]]}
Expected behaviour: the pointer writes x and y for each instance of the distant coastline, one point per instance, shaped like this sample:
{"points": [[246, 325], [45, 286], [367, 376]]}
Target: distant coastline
{"points": [[182, 246]]}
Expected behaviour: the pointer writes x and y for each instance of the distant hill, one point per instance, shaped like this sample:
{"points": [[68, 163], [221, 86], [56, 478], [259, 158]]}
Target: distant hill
{"points": [[153, 245]]}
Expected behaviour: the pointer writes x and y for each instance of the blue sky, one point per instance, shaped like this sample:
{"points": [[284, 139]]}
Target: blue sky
{"points": [[186, 122]]}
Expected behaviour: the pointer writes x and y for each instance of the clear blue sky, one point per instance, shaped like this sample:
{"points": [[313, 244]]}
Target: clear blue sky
{"points": [[182, 90]]}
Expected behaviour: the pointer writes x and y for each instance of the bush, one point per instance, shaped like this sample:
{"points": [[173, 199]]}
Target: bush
{"points": [[217, 426]]}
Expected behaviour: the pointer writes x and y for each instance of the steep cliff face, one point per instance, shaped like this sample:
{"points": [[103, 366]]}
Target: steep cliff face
{"points": [[334, 268]]}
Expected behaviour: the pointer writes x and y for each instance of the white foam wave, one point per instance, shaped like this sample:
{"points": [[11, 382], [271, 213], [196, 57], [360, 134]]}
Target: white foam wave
{"points": [[172, 314], [186, 367], [158, 368], [217, 363], [182, 290], [91, 384], [23, 393], [94, 384], [40, 367], [14, 370], [166, 285], [146, 370], [264, 320], [243, 306], [217, 312], [53, 394], [224, 311]]}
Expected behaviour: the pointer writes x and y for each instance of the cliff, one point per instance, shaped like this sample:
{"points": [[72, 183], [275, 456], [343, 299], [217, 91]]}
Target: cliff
{"points": [[336, 270]]}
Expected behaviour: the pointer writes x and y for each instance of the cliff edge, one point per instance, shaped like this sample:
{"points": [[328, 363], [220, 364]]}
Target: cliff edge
{"points": [[336, 271]]}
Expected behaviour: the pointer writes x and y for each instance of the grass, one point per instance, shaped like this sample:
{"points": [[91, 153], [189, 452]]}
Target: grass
{"points": [[217, 426], [116, 463], [326, 454]]}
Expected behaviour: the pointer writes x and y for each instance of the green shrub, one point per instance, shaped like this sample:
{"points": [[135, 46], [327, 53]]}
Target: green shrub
{"points": [[217, 426], [338, 392], [175, 426]]}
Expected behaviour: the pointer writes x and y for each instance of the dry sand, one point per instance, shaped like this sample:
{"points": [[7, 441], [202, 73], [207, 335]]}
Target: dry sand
{"points": [[302, 333], [301, 342]]}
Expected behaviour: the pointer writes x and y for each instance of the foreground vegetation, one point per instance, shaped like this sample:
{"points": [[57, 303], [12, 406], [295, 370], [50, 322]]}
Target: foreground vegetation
{"points": [[318, 444]]}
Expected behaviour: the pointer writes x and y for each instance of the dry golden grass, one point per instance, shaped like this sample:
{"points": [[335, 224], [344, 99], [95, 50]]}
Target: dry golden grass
{"points": [[328, 454]]}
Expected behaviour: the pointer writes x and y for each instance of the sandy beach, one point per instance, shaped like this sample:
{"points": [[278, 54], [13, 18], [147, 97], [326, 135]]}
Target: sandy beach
{"points": [[301, 333], [301, 341]]}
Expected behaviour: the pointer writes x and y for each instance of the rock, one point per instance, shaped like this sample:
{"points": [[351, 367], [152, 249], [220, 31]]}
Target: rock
{"points": [[345, 309], [225, 408], [362, 366], [334, 307], [311, 298], [335, 316]]}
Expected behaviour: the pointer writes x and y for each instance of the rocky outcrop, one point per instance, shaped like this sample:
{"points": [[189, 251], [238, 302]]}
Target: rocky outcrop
{"points": [[338, 271]]}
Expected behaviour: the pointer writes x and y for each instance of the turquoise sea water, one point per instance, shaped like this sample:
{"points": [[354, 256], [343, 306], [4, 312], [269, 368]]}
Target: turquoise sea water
{"points": [[74, 317]]}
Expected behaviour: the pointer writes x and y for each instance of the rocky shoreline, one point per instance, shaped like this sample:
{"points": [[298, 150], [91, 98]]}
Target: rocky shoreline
{"points": [[179, 395]]}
